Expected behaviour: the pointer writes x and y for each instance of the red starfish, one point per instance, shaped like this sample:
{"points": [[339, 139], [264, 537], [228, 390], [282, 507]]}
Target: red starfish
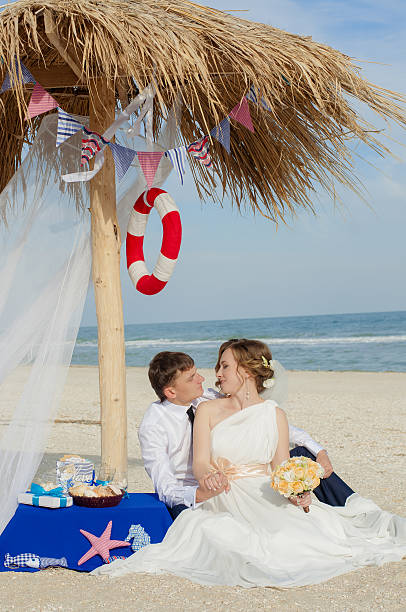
{"points": [[100, 545]]}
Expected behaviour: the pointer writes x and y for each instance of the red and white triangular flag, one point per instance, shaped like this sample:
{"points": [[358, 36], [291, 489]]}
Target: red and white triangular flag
{"points": [[241, 113], [149, 163], [41, 101]]}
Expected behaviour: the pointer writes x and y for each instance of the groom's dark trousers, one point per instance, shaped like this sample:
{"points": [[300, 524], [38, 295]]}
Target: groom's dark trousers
{"points": [[332, 490], [176, 510]]}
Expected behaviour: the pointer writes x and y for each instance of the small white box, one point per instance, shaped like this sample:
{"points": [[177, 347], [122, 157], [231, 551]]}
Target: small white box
{"points": [[45, 501]]}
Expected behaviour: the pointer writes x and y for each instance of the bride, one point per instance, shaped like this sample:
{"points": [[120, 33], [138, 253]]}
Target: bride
{"points": [[249, 535]]}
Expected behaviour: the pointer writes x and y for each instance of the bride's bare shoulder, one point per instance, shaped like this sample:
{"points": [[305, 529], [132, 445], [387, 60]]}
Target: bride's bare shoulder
{"points": [[211, 407]]}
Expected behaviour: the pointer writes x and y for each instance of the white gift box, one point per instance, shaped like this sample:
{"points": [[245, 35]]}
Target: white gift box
{"points": [[45, 501]]}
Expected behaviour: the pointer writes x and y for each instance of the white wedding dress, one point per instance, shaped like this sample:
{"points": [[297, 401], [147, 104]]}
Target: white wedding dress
{"points": [[253, 536]]}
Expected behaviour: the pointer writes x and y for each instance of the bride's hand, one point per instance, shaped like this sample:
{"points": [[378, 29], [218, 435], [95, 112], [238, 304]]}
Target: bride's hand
{"points": [[215, 482], [302, 501]]}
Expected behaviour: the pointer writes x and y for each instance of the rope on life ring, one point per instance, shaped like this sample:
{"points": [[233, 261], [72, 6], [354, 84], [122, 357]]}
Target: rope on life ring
{"points": [[172, 236]]}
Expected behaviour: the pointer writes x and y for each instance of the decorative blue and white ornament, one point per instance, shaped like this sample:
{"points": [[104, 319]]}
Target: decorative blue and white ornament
{"points": [[139, 536]]}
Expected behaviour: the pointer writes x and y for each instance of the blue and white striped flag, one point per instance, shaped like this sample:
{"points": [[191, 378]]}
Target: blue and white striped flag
{"points": [[222, 133], [67, 126], [252, 97], [23, 75], [123, 157], [178, 159]]}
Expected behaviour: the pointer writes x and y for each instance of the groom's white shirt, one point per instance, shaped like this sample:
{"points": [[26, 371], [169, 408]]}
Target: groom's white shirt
{"points": [[165, 437]]}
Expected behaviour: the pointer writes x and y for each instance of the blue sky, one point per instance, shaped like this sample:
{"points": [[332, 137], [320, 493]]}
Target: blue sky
{"points": [[349, 258]]}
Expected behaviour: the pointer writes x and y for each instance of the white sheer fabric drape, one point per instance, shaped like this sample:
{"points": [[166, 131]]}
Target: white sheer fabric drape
{"points": [[45, 264]]}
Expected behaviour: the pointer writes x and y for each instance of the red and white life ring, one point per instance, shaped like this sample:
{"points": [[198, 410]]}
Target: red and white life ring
{"points": [[172, 236]]}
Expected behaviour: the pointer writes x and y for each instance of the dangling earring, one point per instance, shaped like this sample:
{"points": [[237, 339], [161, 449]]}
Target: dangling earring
{"points": [[247, 391]]}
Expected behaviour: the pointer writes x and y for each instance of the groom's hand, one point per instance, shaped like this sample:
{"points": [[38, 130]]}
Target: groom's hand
{"points": [[325, 462]]}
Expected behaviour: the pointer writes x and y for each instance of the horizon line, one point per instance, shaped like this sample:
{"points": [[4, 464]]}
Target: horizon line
{"points": [[333, 314]]}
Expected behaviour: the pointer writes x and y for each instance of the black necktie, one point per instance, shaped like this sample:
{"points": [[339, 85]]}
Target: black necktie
{"points": [[191, 414]]}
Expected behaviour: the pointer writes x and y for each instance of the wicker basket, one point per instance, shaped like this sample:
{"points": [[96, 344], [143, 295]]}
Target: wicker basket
{"points": [[97, 502]]}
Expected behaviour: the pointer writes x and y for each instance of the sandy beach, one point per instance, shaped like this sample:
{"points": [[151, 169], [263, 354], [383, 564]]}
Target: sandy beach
{"points": [[359, 417]]}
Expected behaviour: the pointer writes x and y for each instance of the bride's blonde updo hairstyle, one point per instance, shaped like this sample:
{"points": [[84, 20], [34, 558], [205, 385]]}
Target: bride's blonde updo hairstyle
{"points": [[250, 355]]}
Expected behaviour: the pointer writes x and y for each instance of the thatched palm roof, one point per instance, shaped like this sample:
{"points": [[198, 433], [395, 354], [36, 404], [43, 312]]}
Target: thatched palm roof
{"points": [[210, 58]]}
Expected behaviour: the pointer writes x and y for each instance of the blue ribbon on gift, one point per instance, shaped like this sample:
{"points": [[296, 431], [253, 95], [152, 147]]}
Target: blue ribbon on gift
{"points": [[38, 491], [63, 501]]}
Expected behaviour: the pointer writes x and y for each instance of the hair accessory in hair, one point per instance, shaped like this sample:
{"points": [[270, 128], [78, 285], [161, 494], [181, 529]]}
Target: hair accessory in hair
{"points": [[268, 382], [268, 364], [278, 391]]}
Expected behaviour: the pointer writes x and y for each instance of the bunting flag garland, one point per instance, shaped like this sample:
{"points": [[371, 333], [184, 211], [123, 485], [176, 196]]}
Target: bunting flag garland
{"points": [[252, 97], [91, 145], [41, 101], [123, 157], [23, 75], [178, 159], [149, 163], [222, 133], [67, 127], [90, 133], [241, 113], [200, 150]]}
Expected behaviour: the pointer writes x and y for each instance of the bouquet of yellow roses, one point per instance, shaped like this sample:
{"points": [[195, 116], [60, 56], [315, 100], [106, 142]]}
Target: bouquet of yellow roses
{"points": [[296, 476]]}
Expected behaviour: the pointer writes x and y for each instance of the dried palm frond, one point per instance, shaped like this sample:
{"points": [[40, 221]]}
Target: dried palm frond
{"points": [[211, 59]]}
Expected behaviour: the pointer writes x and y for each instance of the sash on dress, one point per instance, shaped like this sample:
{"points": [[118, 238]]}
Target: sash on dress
{"points": [[245, 470]]}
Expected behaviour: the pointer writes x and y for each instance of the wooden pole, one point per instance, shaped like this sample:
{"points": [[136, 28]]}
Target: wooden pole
{"points": [[106, 245]]}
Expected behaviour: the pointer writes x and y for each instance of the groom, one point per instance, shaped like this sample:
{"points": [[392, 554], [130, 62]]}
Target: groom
{"points": [[165, 436]]}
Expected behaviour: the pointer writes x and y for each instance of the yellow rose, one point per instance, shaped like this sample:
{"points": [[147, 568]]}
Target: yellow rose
{"points": [[299, 473], [283, 487], [297, 487]]}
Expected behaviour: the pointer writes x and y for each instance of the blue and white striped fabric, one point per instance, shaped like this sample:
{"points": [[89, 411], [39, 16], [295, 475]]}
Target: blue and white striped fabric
{"points": [[139, 536], [67, 127], [178, 159], [21, 560], [45, 562], [222, 133], [23, 75], [252, 97], [123, 158]]}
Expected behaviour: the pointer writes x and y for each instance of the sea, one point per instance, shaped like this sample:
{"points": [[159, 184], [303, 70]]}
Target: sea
{"points": [[374, 342]]}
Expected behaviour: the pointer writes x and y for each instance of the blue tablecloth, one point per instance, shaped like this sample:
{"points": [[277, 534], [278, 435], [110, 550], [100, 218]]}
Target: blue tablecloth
{"points": [[55, 532]]}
